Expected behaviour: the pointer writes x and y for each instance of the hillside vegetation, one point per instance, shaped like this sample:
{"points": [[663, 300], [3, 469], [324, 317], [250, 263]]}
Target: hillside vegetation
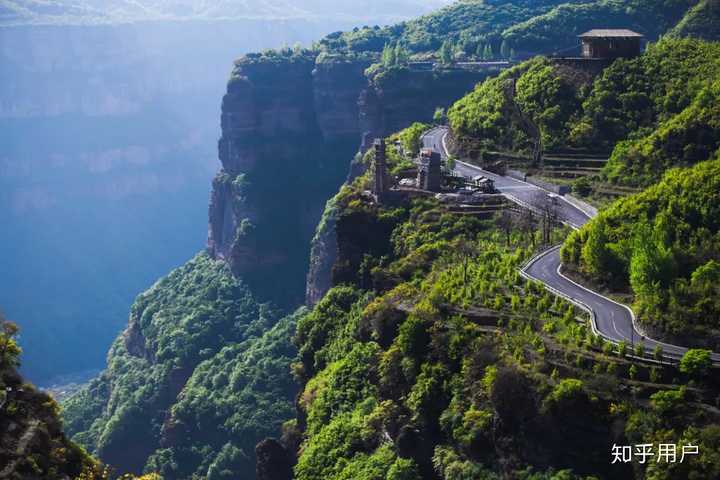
{"points": [[492, 29], [653, 112], [664, 243], [200, 376], [702, 21], [433, 358], [32, 443]]}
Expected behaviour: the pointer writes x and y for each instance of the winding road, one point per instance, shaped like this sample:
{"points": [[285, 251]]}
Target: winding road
{"points": [[611, 320]]}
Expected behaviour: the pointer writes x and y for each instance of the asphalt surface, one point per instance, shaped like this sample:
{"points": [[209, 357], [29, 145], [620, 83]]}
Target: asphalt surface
{"points": [[611, 320], [518, 191]]}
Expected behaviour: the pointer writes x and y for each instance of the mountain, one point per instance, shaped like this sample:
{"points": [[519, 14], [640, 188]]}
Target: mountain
{"points": [[431, 357], [197, 379], [423, 352], [93, 12], [108, 138], [644, 115], [701, 21]]}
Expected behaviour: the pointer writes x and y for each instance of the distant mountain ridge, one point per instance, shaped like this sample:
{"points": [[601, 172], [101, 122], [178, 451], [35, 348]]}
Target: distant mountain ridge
{"points": [[91, 12]]}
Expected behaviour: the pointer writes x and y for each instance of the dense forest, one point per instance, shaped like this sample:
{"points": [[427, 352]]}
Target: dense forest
{"points": [[432, 357], [491, 29], [198, 378]]}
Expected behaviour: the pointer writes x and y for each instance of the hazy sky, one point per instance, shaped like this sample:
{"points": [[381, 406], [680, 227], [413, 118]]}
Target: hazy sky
{"points": [[15, 12], [108, 144]]}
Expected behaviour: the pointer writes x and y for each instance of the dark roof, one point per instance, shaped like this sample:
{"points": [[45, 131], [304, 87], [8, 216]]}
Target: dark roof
{"points": [[610, 33]]}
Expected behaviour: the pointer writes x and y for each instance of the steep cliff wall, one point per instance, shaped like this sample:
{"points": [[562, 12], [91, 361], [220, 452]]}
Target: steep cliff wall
{"points": [[390, 101], [397, 97], [289, 128]]}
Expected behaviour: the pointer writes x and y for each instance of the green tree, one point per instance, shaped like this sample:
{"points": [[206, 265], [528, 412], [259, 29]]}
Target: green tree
{"points": [[696, 362], [622, 348], [480, 51], [651, 262], [403, 469], [388, 58], [658, 353], [488, 53], [505, 49], [9, 349], [402, 57], [598, 257], [439, 116], [446, 53]]}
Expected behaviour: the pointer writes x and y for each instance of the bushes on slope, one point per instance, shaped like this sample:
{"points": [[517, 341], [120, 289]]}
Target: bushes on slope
{"points": [[201, 348], [665, 244]]}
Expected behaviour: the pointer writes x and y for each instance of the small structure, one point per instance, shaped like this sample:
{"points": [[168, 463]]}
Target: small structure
{"points": [[486, 185], [610, 44], [429, 170], [381, 179]]}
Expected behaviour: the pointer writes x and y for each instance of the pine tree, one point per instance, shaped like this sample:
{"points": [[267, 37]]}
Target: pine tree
{"points": [[401, 55], [504, 49], [488, 53], [480, 51], [446, 53]]}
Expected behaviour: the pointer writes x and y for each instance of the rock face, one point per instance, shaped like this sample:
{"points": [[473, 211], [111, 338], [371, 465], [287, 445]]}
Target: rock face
{"points": [[322, 256], [289, 128], [395, 99], [386, 105]]}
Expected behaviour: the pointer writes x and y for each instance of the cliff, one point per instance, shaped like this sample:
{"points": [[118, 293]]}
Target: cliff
{"points": [[288, 131], [291, 123]]}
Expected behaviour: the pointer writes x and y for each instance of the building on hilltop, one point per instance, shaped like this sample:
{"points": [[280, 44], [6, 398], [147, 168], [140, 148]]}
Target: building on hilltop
{"points": [[610, 44]]}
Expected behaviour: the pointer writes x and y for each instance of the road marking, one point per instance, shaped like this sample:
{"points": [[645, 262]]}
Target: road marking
{"points": [[523, 271]]}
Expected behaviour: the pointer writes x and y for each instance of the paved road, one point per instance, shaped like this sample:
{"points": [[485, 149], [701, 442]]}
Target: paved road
{"points": [[611, 320], [518, 191]]}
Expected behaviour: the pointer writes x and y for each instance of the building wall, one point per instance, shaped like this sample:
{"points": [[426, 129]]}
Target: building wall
{"points": [[610, 47]]}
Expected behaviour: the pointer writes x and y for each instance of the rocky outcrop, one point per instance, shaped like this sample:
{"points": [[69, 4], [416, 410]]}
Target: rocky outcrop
{"points": [[322, 256], [400, 96], [389, 102], [337, 82], [289, 128]]}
